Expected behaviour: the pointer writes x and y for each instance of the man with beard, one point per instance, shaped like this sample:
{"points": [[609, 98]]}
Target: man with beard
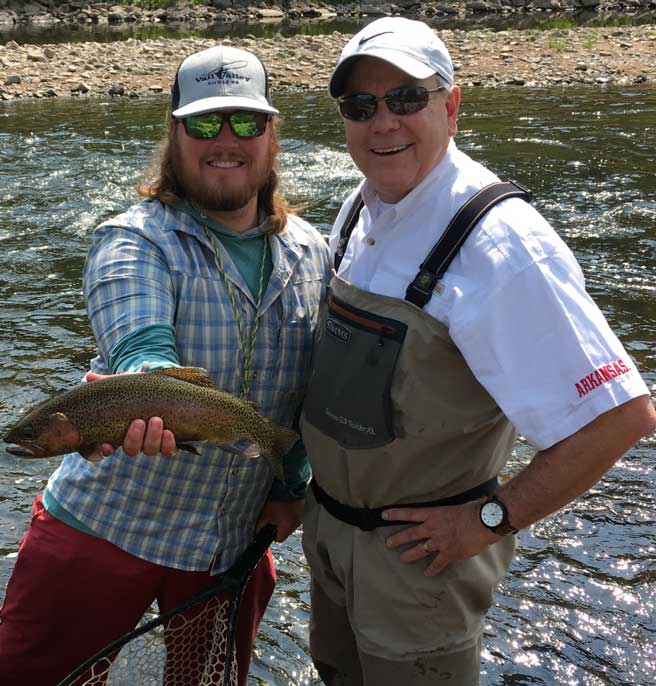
{"points": [[209, 270]]}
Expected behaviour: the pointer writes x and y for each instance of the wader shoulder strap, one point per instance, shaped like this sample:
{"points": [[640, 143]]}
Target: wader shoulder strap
{"points": [[347, 228], [419, 292]]}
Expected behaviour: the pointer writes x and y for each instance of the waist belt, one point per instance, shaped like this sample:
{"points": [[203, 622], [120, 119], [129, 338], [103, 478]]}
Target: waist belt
{"points": [[369, 519]]}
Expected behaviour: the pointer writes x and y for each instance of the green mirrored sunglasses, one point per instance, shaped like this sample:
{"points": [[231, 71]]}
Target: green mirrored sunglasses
{"points": [[244, 124]]}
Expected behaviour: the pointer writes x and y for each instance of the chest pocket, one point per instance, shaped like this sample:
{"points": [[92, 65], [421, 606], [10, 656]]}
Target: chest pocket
{"points": [[349, 391]]}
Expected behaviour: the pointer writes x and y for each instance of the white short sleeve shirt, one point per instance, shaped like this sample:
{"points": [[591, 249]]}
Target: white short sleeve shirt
{"points": [[513, 299]]}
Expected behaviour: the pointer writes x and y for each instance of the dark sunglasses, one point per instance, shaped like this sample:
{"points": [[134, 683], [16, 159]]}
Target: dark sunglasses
{"points": [[402, 100], [244, 124]]}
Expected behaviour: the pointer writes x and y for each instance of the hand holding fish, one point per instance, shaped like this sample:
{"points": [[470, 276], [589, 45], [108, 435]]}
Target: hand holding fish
{"points": [[148, 438]]}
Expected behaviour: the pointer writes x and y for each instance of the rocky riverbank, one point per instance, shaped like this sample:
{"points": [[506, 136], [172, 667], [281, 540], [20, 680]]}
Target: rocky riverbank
{"points": [[596, 56]]}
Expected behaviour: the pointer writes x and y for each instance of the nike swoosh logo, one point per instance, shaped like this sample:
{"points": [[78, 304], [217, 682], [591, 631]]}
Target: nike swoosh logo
{"points": [[382, 33]]}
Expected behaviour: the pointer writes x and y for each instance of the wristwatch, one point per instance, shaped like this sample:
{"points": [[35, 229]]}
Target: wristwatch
{"points": [[494, 516]]}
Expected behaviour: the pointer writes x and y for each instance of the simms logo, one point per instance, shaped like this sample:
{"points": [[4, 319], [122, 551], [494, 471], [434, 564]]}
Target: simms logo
{"points": [[337, 330], [226, 72]]}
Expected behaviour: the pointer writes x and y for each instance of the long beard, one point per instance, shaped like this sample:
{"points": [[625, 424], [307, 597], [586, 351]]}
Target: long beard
{"points": [[214, 197]]}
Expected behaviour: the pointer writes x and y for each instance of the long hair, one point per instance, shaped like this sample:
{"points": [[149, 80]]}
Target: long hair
{"points": [[159, 181]]}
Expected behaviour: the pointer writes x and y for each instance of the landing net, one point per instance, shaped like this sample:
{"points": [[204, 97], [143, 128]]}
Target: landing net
{"points": [[188, 650], [192, 645]]}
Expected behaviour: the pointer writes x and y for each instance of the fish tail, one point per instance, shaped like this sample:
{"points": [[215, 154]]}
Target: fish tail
{"points": [[284, 440]]}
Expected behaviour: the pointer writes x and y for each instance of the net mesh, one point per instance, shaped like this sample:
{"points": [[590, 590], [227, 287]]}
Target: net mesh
{"points": [[187, 650]]}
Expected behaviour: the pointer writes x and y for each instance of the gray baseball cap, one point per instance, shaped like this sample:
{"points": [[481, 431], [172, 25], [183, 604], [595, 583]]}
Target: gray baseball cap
{"points": [[221, 78], [409, 45]]}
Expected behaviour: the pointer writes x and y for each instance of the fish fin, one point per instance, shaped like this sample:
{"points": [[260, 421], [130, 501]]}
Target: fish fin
{"points": [[243, 447], [194, 375], [187, 447], [284, 440], [59, 419], [91, 452]]}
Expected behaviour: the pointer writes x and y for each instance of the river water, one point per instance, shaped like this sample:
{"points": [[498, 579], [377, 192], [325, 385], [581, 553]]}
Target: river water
{"points": [[579, 607]]}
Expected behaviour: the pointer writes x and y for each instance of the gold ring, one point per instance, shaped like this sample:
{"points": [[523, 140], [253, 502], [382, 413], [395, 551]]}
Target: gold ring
{"points": [[426, 547]]}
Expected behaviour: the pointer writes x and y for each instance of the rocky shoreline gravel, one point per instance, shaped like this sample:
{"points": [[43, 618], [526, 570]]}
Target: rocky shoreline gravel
{"points": [[584, 55]]}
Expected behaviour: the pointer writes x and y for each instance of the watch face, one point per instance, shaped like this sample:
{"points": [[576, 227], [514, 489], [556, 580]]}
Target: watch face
{"points": [[491, 514]]}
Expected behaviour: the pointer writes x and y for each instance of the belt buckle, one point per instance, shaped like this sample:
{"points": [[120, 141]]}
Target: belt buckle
{"points": [[369, 519]]}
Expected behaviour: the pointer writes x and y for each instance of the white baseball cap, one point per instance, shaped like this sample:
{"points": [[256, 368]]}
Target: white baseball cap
{"points": [[409, 45], [221, 78]]}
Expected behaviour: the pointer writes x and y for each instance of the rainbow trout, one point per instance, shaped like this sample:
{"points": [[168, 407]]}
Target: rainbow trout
{"points": [[191, 406]]}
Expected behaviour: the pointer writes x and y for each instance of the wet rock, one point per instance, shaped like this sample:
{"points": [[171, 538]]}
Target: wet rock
{"points": [[549, 5], [380, 10], [444, 9], [325, 13], [268, 13], [477, 7], [45, 20], [7, 18], [29, 9]]}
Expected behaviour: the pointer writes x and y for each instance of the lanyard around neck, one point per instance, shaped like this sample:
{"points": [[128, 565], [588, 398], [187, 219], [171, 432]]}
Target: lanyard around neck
{"points": [[247, 344]]}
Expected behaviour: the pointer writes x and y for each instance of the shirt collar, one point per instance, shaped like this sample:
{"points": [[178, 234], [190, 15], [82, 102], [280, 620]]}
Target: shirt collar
{"points": [[188, 220], [221, 230]]}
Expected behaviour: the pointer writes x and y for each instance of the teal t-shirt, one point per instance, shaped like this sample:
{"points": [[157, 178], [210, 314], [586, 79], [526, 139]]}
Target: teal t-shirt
{"points": [[245, 249]]}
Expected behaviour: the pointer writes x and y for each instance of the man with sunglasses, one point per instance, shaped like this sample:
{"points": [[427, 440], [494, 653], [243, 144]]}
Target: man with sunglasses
{"points": [[211, 269], [451, 323]]}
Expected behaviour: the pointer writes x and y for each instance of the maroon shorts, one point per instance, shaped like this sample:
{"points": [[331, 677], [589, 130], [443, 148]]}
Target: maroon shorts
{"points": [[72, 594]]}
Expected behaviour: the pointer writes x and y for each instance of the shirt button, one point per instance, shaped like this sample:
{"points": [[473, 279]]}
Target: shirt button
{"points": [[371, 241]]}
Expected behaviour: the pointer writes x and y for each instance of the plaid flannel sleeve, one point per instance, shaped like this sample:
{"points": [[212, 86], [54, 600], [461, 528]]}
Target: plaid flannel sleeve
{"points": [[127, 286]]}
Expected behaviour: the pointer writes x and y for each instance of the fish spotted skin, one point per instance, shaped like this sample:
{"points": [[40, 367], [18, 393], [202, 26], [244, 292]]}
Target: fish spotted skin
{"points": [[185, 398]]}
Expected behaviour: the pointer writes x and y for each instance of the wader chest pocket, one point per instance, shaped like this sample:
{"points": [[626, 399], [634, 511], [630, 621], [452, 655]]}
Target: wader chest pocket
{"points": [[349, 389]]}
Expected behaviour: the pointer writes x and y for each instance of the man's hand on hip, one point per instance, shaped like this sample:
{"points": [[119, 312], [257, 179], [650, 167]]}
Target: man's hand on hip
{"points": [[441, 534]]}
